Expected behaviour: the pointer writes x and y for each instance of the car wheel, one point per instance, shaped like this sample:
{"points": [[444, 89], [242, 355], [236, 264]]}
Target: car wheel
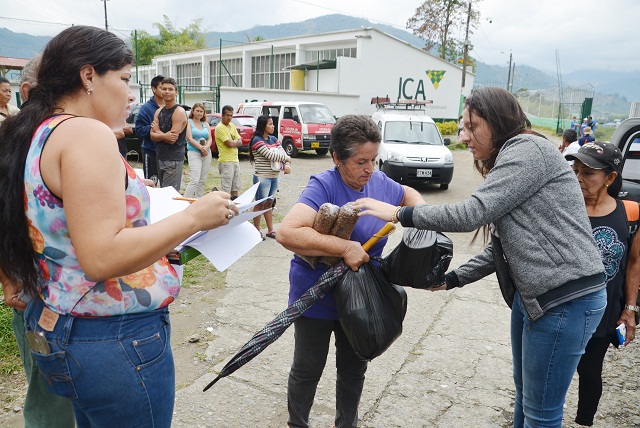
{"points": [[290, 148], [444, 186], [322, 152]]}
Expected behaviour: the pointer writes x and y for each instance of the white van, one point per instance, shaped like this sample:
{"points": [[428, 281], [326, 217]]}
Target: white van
{"points": [[300, 125], [412, 149]]}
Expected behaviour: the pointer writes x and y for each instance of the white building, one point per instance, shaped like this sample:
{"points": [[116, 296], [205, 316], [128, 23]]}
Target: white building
{"points": [[343, 69]]}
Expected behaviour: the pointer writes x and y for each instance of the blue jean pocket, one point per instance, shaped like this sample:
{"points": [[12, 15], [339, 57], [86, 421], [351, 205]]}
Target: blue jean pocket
{"points": [[149, 349], [55, 370], [593, 318]]}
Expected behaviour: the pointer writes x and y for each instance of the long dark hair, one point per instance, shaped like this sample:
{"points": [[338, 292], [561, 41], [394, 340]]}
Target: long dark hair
{"points": [[58, 76], [505, 118], [261, 125]]}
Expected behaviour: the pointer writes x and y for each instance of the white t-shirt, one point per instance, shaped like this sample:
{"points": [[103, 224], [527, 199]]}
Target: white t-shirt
{"points": [[570, 150]]}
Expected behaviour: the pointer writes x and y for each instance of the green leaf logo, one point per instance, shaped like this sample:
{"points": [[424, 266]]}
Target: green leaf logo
{"points": [[435, 76]]}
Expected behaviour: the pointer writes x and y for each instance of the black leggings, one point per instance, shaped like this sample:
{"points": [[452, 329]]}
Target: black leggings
{"points": [[590, 379]]}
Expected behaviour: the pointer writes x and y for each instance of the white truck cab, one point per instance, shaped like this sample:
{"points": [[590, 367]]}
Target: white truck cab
{"points": [[412, 149], [300, 125]]}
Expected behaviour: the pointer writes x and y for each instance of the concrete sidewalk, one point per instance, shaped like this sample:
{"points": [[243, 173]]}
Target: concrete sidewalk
{"points": [[450, 368]]}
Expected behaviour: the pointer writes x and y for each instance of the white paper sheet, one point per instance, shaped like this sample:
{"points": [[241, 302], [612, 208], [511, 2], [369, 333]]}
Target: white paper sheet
{"points": [[222, 246]]}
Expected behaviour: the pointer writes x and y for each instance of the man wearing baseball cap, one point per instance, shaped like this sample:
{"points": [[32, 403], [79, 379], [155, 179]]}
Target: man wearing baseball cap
{"points": [[587, 135], [598, 166]]}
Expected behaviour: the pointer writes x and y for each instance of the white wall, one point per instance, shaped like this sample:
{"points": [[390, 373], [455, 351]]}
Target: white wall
{"points": [[383, 68], [338, 104]]}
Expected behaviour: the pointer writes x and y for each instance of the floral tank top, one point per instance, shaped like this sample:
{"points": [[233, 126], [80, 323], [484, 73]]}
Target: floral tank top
{"points": [[65, 288]]}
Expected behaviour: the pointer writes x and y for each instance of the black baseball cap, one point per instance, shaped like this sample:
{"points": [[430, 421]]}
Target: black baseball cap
{"points": [[598, 155]]}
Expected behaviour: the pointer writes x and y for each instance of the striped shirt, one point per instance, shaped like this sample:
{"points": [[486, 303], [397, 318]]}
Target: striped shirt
{"points": [[269, 156]]}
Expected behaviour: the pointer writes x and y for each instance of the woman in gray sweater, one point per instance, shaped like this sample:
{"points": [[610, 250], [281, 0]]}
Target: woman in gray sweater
{"points": [[531, 207]]}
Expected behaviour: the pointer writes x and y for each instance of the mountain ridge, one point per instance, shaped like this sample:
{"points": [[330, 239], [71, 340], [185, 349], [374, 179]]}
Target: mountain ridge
{"points": [[625, 85]]}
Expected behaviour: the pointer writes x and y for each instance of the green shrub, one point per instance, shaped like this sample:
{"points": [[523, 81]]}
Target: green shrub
{"points": [[448, 128]]}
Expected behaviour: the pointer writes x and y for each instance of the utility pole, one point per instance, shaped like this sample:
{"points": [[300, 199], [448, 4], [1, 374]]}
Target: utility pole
{"points": [[513, 76], [465, 57], [509, 75], [106, 26]]}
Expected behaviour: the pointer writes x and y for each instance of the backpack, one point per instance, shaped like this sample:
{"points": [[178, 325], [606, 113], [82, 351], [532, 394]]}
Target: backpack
{"points": [[633, 215]]}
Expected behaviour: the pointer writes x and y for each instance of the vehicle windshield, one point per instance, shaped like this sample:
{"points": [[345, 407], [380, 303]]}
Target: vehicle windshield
{"points": [[313, 113], [244, 121], [406, 132], [631, 169]]}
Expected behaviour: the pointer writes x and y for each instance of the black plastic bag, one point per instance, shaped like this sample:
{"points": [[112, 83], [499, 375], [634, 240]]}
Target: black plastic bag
{"points": [[371, 310], [420, 260]]}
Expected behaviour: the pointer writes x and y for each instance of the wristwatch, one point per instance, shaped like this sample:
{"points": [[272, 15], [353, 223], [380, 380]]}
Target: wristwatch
{"points": [[632, 308]]}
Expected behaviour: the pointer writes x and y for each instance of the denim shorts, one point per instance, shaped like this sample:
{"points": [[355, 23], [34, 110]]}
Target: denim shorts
{"points": [[116, 369], [268, 186]]}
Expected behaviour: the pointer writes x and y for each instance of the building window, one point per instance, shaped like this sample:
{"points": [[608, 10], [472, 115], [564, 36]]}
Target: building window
{"points": [[164, 69], [261, 70], [189, 74], [331, 54], [232, 68]]}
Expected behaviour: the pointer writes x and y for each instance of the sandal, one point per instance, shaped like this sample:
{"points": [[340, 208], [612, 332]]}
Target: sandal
{"points": [[262, 236], [272, 234]]}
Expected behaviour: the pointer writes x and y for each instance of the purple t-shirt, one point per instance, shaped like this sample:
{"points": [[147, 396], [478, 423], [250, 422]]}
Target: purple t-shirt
{"points": [[329, 187]]}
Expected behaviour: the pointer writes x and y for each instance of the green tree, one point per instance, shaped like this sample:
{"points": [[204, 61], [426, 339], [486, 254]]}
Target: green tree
{"points": [[170, 40], [435, 21]]}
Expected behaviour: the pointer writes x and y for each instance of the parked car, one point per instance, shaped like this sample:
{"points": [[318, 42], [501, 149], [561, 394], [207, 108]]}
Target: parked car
{"points": [[244, 123], [412, 149], [133, 142], [299, 125], [627, 138]]}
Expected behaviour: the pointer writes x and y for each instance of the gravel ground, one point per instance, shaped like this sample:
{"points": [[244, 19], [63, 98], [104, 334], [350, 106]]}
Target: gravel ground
{"points": [[450, 368]]}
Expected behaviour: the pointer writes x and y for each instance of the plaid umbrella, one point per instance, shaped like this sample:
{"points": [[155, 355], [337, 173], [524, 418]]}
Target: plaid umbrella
{"points": [[274, 329]]}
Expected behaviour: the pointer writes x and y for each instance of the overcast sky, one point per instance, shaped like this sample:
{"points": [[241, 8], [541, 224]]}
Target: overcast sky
{"points": [[588, 33]]}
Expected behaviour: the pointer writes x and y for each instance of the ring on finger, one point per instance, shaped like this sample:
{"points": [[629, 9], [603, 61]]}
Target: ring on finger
{"points": [[230, 215], [230, 204]]}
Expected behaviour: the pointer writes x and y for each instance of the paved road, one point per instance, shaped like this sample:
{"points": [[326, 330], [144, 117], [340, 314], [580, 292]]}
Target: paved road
{"points": [[450, 368]]}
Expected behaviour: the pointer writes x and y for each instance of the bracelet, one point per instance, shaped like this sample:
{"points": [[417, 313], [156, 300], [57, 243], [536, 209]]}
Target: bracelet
{"points": [[394, 216], [632, 308]]}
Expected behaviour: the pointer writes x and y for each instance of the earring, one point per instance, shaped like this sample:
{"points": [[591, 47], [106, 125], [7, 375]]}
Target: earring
{"points": [[88, 90], [606, 185]]}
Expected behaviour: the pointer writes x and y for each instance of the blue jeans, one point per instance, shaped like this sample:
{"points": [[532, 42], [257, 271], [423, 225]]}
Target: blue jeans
{"points": [[312, 338], [268, 186], [118, 370], [41, 407], [546, 353]]}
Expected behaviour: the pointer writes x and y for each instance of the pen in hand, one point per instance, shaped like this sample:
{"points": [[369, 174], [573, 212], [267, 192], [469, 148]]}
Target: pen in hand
{"points": [[182, 198]]}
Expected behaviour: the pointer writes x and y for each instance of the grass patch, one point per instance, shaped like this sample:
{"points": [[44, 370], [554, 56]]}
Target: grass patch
{"points": [[9, 353], [457, 145], [213, 178], [604, 134], [198, 272]]}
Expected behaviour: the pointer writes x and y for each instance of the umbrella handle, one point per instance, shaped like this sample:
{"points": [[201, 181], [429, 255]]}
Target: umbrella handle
{"points": [[387, 229]]}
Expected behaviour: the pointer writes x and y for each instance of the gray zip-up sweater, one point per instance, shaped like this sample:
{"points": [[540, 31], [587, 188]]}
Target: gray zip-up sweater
{"points": [[544, 246]]}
